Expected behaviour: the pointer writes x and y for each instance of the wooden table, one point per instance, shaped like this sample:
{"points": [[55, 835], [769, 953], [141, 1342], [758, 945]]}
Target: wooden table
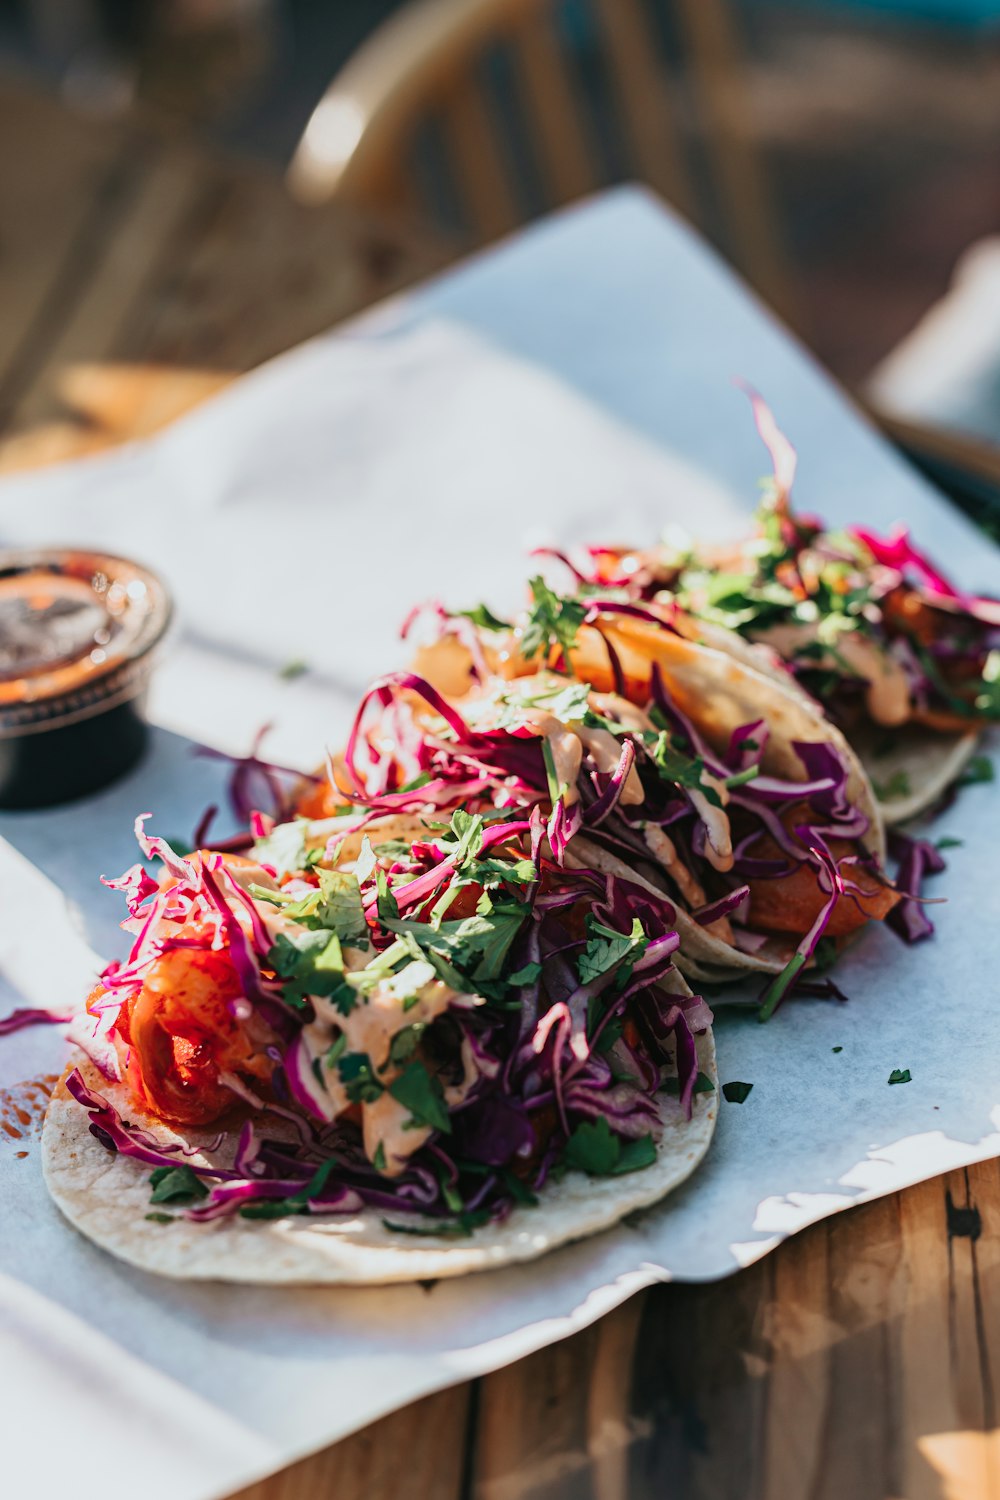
{"points": [[857, 1362]]}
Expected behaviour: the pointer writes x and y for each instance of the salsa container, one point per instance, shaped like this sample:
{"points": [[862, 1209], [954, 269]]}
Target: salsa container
{"points": [[78, 637]]}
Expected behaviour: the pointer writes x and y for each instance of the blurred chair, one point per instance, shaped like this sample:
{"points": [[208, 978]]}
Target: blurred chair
{"points": [[525, 115]]}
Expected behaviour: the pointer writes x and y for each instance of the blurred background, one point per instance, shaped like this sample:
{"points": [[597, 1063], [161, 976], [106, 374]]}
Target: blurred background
{"points": [[842, 153]]}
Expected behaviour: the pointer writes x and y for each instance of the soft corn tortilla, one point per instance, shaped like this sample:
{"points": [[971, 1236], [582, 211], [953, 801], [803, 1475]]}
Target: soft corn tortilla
{"points": [[925, 761], [106, 1197], [719, 692]]}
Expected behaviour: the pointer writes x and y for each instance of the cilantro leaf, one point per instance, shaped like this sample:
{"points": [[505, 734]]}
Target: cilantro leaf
{"points": [[179, 1184], [900, 1075], [476, 947], [387, 906], [297, 667], [519, 1191], [406, 1042], [634, 1155], [358, 1077], [482, 616], [736, 1093], [898, 785], [422, 1095], [551, 621], [466, 839], [681, 769], [312, 963], [334, 906], [949, 843], [341, 910], [594, 1148], [526, 975], [606, 949], [702, 1085], [566, 699], [297, 1203], [980, 768]]}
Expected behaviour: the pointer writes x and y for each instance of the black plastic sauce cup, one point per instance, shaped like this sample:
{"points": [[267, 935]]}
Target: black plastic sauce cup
{"points": [[78, 632]]}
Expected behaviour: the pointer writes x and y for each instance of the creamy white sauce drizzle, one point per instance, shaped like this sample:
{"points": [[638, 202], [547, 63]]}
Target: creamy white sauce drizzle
{"points": [[569, 741], [718, 840], [663, 849], [412, 996]]}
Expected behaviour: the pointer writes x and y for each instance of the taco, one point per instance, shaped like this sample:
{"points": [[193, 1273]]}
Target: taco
{"points": [[652, 758], [904, 662], [445, 1054]]}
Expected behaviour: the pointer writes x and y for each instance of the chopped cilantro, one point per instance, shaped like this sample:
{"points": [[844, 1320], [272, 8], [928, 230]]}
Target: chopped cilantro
{"points": [[179, 1184], [980, 768], [378, 1160], [681, 769], [702, 1085], [949, 843], [483, 617], [160, 1218], [463, 843], [900, 1075], [466, 832], [298, 1203], [519, 1191], [475, 947], [735, 1092], [358, 1077], [388, 908], [836, 1049], [268, 1208], [567, 700], [595, 1149], [406, 1042], [421, 1093], [635, 1155], [607, 949], [527, 975], [292, 669], [551, 621], [312, 963], [898, 785], [334, 906]]}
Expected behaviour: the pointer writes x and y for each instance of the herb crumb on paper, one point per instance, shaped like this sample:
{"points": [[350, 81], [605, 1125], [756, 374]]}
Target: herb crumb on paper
{"points": [[736, 1092]]}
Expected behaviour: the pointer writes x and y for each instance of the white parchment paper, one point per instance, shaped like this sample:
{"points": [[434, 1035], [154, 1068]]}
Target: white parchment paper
{"points": [[575, 383]]}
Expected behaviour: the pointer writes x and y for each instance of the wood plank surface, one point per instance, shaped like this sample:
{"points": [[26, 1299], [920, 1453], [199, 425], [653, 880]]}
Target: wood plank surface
{"points": [[859, 1361]]}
